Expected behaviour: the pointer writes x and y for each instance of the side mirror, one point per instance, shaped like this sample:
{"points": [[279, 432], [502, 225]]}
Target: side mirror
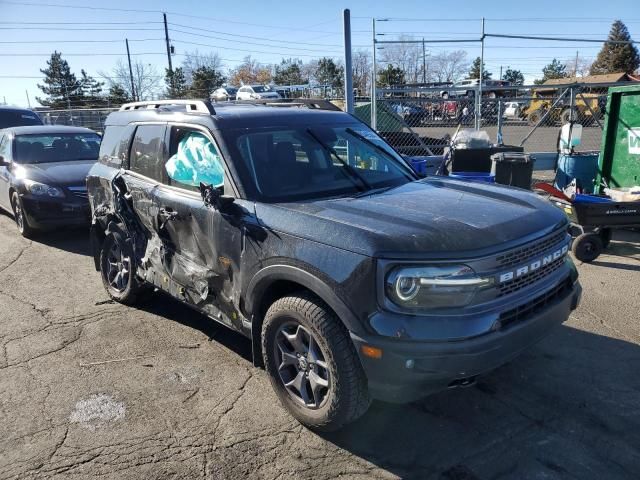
{"points": [[212, 197]]}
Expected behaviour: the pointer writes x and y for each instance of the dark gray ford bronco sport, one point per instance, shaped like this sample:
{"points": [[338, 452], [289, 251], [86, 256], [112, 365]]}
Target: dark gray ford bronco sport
{"points": [[296, 225]]}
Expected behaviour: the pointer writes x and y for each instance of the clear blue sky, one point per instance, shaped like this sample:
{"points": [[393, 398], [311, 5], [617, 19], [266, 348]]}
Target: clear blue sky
{"points": [[285, 29]]}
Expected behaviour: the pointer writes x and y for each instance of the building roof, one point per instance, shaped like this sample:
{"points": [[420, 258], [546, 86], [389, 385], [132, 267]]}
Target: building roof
{"points": [[606, 78]]}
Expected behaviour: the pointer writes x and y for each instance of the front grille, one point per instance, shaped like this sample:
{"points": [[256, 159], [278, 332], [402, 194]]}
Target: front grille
{"points": [[527, 310], [525, 280], [521, 255]]}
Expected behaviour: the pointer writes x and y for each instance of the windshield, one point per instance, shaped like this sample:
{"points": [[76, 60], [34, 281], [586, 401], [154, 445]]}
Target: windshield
{"points": [[261, 88], [61, 147], [288, 164], [18, 118], [231, 90]]}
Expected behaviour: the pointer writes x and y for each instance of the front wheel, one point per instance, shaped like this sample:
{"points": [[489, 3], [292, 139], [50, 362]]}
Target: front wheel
{"points": [[312, 363], [20, 217], [117, 269]]}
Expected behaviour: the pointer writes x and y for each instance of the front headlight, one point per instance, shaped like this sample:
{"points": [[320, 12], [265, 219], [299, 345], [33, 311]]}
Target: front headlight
{"points": [[42, 190], [434, 286]]}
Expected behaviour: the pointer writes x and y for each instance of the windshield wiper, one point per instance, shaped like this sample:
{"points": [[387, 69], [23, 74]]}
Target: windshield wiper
{"points": [[352, 171], [373, 192]]}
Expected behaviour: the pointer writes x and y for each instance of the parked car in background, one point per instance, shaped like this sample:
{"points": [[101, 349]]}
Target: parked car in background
{"points": [[224, 93], [43, 172], [17, 117], [469, 87], [256, 92], [512, 111], [411, 113]]}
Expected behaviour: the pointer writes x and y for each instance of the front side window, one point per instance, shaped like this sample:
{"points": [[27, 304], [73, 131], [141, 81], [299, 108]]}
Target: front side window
{"points": [[194, 159], [316, 162], [18, 118], [146, 152], [56, 147]]}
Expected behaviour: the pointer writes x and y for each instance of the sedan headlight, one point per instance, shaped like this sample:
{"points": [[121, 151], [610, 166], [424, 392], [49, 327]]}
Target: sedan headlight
{"points": [[434, 286], [42, 190]]}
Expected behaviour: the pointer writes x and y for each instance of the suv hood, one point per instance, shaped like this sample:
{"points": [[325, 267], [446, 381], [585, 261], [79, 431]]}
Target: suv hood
{"points": [[436, 216], [58, 173]]}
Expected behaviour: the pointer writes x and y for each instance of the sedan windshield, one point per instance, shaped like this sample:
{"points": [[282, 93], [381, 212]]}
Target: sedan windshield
{"points": [[261, 88], [288, 164], [61, 147]]}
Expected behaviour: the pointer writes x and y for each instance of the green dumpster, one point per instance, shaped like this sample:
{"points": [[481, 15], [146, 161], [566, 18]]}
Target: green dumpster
{"points": [[619, 162]]}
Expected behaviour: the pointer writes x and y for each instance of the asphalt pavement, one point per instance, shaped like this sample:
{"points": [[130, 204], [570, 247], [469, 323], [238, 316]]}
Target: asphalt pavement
{"points": [[93, 389]]}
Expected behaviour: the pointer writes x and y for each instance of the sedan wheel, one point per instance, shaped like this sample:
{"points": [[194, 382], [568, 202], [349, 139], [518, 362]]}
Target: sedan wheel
{"points": [[19, 216], [118, 268]]}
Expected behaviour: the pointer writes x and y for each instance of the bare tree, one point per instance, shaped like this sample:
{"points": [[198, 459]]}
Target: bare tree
{"points": [[361, 64], [250, 71], [579, 67], [146, 79], [406, 56], [449, 66], [195, 60]]}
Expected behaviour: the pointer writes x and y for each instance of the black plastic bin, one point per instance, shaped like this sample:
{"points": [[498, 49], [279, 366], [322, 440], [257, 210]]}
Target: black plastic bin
{"points": [[512, 168]]}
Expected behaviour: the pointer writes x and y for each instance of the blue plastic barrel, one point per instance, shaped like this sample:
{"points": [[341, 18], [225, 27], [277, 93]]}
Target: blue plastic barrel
{"points": [[474, 176], [581, 166], [425, 164]]}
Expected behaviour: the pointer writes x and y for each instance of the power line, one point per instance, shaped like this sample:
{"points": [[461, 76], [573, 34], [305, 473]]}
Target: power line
{"points": [[78, 41], [81, 29]]}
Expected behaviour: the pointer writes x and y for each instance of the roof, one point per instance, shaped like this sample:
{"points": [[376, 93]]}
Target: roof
{"points": [[236, 115], [46, 129], [606, 78], [17, 109]]}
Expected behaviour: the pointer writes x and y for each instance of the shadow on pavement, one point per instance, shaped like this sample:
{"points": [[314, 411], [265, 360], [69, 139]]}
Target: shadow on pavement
{"points": [[568, 408], [163, 305], [72, 240]]}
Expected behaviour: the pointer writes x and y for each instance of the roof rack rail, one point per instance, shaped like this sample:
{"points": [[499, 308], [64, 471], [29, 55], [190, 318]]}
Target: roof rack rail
{"points": [[312, 103], [199, 106]]}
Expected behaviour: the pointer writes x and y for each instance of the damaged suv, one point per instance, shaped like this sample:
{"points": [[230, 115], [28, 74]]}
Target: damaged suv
{"points": [[298, 226]]}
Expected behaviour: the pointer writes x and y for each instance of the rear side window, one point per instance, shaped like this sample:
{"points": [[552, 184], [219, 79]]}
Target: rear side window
{"points": [[110, 147], [147, 152]]}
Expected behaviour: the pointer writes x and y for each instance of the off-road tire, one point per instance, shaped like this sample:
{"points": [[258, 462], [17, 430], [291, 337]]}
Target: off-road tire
{"points": [[347, 397], [587, 247], [20, 218], [132, 288]]}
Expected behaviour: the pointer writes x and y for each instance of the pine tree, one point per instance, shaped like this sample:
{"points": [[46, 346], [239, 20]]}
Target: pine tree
{"points": [[91, 90], [61, 87], [391, 76], [475, 70], [205, 81], [117, 95], [617, 57], [556, 69], [514, 77], [328, 73], [289, 72], [176, 83]]}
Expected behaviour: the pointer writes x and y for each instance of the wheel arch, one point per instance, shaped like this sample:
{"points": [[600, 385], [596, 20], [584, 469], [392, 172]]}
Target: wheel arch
{"points": [[276, 281]]}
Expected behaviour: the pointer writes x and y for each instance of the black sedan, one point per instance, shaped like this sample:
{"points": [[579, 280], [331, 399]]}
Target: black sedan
{"points": [[43, 172]]}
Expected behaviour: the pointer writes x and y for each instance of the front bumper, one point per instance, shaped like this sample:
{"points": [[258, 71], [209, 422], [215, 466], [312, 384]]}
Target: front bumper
{"points": [[46, 213], [409, 370]]}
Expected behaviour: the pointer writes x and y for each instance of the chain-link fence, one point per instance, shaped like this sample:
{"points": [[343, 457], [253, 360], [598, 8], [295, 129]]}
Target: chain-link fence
{"points": [[92, 118], [421, 121]]}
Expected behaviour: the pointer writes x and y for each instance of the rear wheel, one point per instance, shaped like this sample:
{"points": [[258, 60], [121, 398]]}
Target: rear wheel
{"points": [[565, 116], [19, 215], [587, 247], [534, 117], [117, 269], [312, 363]]}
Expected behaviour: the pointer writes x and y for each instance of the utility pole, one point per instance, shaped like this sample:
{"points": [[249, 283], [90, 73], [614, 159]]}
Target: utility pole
{"points": [[575, 74], [479, 99], [166, 39], [348, 66], [133, 88], [373, 78], [424, 63], [28, 101]]}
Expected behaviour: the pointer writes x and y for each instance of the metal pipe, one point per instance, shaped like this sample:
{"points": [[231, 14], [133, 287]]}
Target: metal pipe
{"points": [[348, 66], [479, 98]]}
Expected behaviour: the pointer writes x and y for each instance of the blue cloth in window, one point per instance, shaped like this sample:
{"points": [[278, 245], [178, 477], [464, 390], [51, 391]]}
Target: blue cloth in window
{"points": [[196, 161]]}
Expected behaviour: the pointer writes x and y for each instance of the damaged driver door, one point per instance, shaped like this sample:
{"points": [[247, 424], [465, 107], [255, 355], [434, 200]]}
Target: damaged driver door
{"points": [[197, 264]]}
